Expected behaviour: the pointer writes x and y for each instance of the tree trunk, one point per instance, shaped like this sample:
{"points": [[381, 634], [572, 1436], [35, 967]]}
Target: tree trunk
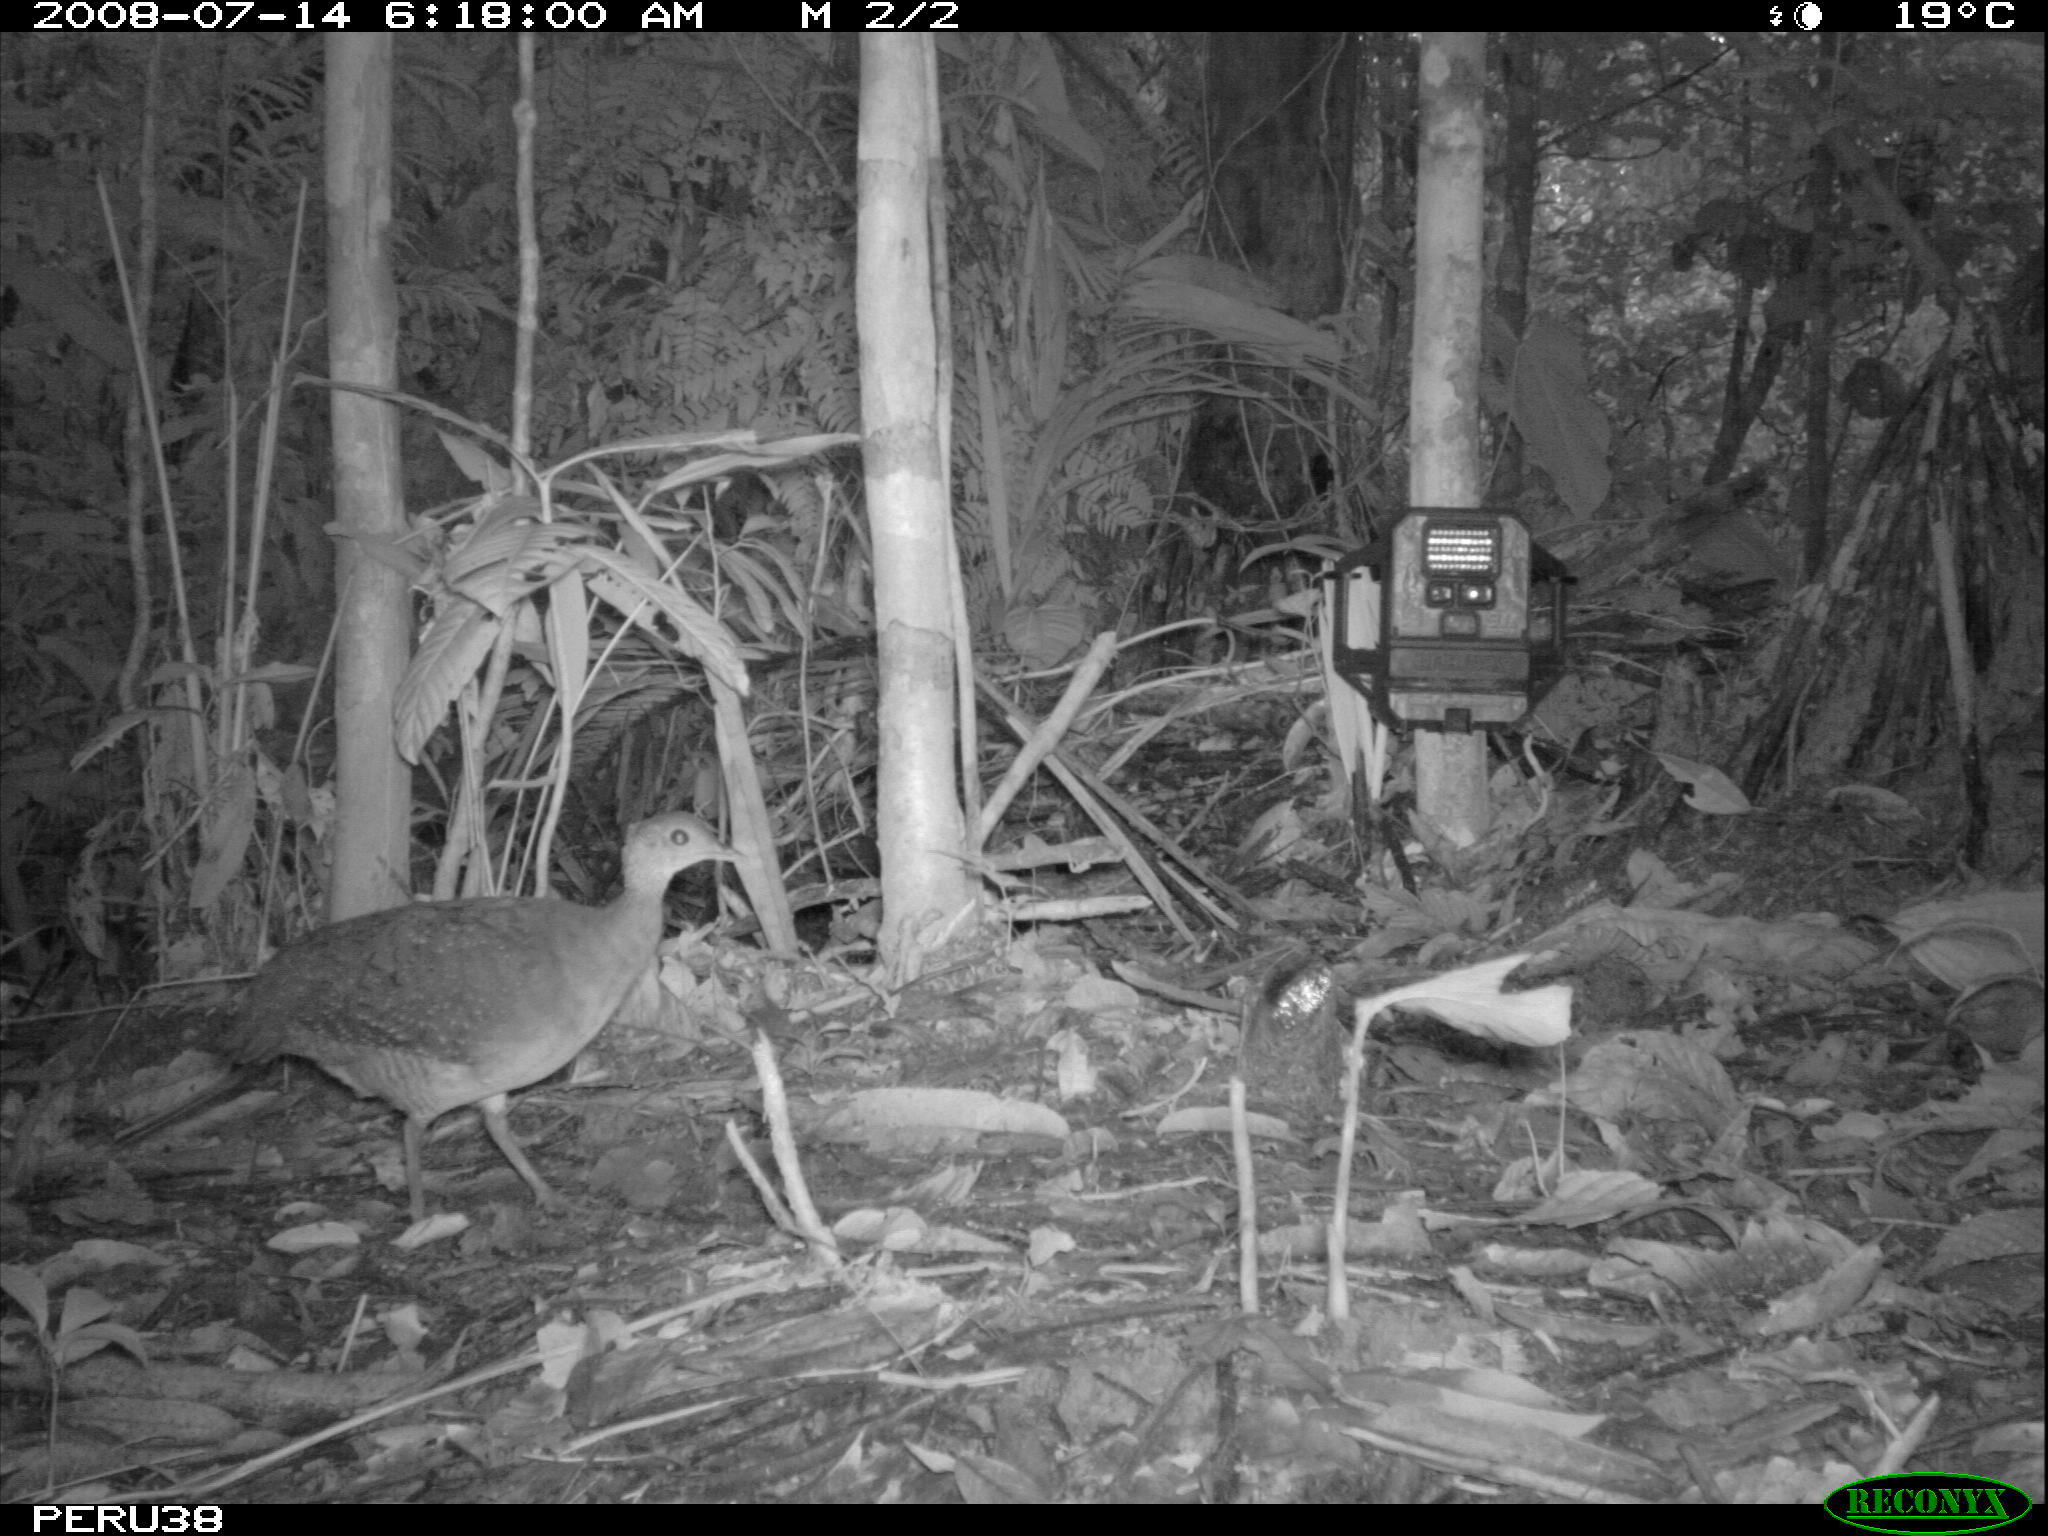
{"points": [[372, 851]]}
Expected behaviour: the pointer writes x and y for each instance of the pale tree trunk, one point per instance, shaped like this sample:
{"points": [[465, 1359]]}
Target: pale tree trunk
{"points": [[1443, 398], [374, 641], [927, 897]]}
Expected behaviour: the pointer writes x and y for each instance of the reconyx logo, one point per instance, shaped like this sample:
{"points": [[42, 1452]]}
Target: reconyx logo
{"points": [[1941, 1503]]}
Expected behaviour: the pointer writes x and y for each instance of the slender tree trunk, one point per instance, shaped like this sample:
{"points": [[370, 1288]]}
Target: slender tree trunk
{"points": [[925, 888], [372, 851]]}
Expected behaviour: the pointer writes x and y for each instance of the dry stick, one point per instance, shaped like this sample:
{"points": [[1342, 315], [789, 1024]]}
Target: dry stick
{"points": [[355, 1328], [1051, 731], [1194, 866], [1900, 1450], [1070, 777], [763, 1185], [1247, 1204], [775, 1108], [1941, 543], [1094, 795], [1338, 1299]]}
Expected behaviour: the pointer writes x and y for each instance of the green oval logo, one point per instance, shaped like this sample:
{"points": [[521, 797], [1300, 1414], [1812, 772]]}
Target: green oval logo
{"points": [[1941, 1503]]}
